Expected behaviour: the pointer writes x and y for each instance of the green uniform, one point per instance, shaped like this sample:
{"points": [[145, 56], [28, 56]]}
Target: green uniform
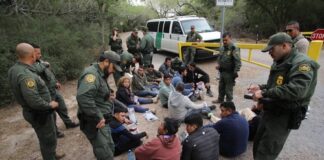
{"points": [[132, 43], [147, 47], [139, 83], [48, 76], [164, 93], [191, 51], [153, 76], [126, 61], [291, 84], [32, 94], [116, 45], [92, 96], [229, 61]]}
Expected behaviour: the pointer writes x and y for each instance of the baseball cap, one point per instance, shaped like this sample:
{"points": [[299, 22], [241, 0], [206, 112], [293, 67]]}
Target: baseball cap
{"points": [[113, 58], [278, 38]]}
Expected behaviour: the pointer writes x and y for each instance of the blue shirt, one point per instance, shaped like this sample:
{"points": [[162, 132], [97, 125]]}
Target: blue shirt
{"points": [[234, 134]]}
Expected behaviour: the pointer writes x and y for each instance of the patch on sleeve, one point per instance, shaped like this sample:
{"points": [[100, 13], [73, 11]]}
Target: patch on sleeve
{"points": [[304, 68], [90, 78], [30, 83]]}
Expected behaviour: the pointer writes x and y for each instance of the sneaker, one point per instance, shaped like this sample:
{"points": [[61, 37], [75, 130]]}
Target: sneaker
{"points": [[217, 101], [59, 134], [155, 99], [59, 155], [71, 125], [209, 93]]}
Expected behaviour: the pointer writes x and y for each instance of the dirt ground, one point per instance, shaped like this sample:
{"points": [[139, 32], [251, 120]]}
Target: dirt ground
{"points": [[18, 140]]}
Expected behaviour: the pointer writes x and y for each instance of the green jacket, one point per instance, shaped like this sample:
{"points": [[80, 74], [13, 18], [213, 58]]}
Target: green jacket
{"points": [[93, 93], [47, 75], [132, 43], [229, 58], [126, 57], [152, 76], [28, 88], [292, 82], [139, 82], [115, 45], [193, 37], [164, 93], [147, 44]]}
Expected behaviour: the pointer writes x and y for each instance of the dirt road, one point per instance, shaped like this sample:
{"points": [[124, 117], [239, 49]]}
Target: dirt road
{"points": [[19, 142]]}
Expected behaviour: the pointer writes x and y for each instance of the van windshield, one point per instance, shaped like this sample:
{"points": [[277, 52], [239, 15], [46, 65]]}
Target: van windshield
{"points": [[201, 25]]}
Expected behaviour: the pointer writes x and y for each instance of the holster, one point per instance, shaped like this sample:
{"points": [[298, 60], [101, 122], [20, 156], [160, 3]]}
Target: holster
{"points": [[88, 125], [41, 117], [297, 115]]}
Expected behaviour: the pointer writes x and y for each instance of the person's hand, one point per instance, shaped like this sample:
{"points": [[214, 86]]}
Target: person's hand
{"points": [[101, 123], [217, 66], [253, 88], [127, 121], [53, 104], [257, 95], [58, 85]]}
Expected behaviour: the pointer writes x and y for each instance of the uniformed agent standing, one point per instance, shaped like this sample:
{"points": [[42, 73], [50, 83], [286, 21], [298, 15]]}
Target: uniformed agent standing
{"points": [[290, 85], [95, 108], [147, 47], [192, 36], [32, 94], [115, 41], [42, 69], [228, 64], [133, 45], [299, 41]]}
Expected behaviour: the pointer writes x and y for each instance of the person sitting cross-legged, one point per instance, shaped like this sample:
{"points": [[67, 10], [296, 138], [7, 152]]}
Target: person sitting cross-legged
{"points": [[123, 139], [152, 75], [166, 146], [141, 87], [178, 78], [179, 105], [165, 90], [196, 74], [233, 130]]}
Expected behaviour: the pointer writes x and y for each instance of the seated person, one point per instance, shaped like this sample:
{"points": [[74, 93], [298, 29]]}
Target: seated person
{"points": [[165, 68], [152, 75], [253, 117], [202, 143], [179, 105], [195, 75], [178, 78], [123, 139], [141, 87], [125, 96], [165, 91], [176, 63], [233, 130], [166, 145], [127, 61]]}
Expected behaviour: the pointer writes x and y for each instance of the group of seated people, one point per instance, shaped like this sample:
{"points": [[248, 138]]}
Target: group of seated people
{"points": [[227, 136]]}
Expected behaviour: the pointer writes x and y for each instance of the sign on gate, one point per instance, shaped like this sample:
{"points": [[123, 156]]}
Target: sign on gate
{"points": [[318, 35], [224, 2]]}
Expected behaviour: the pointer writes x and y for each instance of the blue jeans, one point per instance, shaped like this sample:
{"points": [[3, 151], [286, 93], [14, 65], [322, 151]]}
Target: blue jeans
{"points": [[138, 108], [202, 110], [144, 93], [145, 100]]}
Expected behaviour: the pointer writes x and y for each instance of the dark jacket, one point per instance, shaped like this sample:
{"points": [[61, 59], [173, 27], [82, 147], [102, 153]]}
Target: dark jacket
{"points": [[197, 75], [124, 95], [234, 134], [202, 144]]}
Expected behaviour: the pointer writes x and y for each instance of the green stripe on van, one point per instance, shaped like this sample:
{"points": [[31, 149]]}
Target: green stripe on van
{"points": [[158, 40]]}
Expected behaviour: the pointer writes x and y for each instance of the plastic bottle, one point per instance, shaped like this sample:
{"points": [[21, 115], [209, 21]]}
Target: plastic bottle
{"points": [[132, 116], [130, 155]]}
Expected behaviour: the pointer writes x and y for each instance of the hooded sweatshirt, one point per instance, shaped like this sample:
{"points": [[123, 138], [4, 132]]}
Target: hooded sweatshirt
{"points": [[179, 105], [163, 147]]}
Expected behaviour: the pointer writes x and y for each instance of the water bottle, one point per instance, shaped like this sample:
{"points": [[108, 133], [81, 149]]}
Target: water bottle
{"points": [[132, 116], [130, 155]]}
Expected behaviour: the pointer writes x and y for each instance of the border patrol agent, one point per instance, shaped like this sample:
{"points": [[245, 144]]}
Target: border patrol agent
{"points": [[147, 47], [32, 94], [291, 84], [115, 41], [192, 36], [229, 64], [42, 69], [95, 108]]}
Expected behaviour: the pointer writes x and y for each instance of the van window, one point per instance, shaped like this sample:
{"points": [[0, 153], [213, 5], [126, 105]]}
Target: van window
{"points": [[201, 25], [160, 26], [166, 28], [176, 28], [152, 26]]}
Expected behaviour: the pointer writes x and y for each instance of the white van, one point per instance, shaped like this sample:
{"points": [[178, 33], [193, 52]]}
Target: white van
{"points": [[167, 32]]}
